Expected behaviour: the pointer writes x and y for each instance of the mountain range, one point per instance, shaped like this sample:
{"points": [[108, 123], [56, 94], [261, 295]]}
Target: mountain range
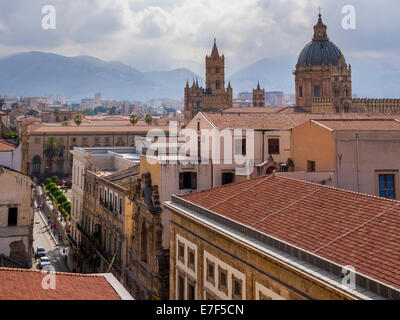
{"points": [[38, 74]]}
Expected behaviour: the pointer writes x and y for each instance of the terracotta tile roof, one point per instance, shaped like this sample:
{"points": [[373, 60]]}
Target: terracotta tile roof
{"points": [[362, 124], [58, 129], [6, 147], [26, 284], [257, 110], [277, 121], [344, 227]]}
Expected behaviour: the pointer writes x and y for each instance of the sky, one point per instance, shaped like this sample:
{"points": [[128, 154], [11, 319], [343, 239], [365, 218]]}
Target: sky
{"points": [[166, 34]]}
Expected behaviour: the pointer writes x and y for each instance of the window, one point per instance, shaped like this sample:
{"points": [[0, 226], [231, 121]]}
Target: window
{"points": [[181, 252], [37, 140], [198, 126], [227, 177], [300, 91], [240, 146], [263, 296], [216, 69], [386, 186], [188, 180], [223, 280], [317, 91], [73, 140], [236, 288], [191, 259], [311, 166], [273, 146], [115, 203], [12, 216], [181, 287], [190, 290], [217, 84], [210, 271], [120, 205]]}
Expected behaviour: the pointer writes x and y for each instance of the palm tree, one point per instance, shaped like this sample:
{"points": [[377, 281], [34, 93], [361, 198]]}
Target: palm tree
{"points": [[52, 148], [133, 118], [148, 119], [78, 120]]}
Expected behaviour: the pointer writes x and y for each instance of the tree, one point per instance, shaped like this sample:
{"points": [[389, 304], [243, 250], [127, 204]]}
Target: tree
{"points": [[113, 111], [133, 119], [78, 120], [148, 119], [13, 136], [65, 123], [89, 112], [56, 111], [52, 148]]}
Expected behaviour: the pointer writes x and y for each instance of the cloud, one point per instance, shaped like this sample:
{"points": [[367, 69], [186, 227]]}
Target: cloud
{"points": [[153, 34]]}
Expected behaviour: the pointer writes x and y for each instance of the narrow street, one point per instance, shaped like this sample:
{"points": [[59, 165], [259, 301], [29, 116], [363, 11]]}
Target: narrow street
{"points": [[42, 238]]}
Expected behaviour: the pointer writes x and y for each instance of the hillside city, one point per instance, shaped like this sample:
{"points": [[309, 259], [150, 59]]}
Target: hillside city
{"points": [[216, 195]]}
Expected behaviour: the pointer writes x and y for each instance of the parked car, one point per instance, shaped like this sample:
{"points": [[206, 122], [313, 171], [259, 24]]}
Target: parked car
{"points": [[44, 261], [68, 183], [40, 252]]}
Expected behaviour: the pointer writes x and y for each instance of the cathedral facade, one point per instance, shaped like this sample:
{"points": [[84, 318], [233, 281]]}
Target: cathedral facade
{"points": [[215, 97]]}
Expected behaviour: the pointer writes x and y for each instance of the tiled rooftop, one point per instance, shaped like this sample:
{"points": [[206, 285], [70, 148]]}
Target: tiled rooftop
{"points": [[344, 227], [87, 128], [26, 284], [6, 147], [277, 121], [361, 125]]}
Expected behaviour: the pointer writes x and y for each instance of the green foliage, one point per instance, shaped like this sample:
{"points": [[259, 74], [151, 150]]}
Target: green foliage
{"points": [[61, 199], [148, 119], [78, 120], [113, 111], [133, 118], [57, 193], [67, 206], [13, 135], [48, 181], [89, 112], [52, 147], [65, 123], [53, 189], [56, 111], [54, 178], [100, 110]]}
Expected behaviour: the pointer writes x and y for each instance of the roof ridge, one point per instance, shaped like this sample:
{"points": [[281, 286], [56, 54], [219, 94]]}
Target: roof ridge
{"points": [[339, 189], [7, 143], [56, 272]]}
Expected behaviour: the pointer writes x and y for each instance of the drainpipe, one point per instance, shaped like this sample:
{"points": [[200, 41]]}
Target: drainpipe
{"points": [[336, 161], [358, 162]]}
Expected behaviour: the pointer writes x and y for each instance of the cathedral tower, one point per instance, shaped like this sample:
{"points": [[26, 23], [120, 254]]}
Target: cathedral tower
{"points": [[215, 71], [258, 97], [322, 74]]}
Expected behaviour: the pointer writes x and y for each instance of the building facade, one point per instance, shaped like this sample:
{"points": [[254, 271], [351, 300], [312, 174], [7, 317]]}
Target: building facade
{"points": [[230, 243], [16, 217], [215, 96]]}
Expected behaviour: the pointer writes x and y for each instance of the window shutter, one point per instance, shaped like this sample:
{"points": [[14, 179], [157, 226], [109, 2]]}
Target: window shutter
{"points": [[194, 180], [181, 179]]}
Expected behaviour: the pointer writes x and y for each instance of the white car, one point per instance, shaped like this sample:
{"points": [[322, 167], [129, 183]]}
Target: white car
{"points": [[44, 262]]}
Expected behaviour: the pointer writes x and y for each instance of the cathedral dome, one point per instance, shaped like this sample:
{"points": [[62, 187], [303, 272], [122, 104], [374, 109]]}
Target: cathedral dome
{"points": [[320, 51]]}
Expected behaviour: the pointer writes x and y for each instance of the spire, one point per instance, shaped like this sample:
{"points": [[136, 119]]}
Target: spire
{"points": [[187, 83], [320, 29], [214, 52], [258, 86], [229, 85], [197, 82]]}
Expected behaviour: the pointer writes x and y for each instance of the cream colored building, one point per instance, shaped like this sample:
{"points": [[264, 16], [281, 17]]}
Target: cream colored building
{"points": [[16, 217], [359, 155]]}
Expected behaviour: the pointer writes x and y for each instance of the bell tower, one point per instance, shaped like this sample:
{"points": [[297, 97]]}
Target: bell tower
{"points": [[215, 71]]}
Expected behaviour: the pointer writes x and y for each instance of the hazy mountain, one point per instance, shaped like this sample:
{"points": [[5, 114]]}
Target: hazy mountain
{"points": [[38, 74], [274, 74]]}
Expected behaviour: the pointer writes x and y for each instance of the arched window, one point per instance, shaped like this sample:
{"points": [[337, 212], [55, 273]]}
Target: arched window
{"points": [[143, 244]]}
